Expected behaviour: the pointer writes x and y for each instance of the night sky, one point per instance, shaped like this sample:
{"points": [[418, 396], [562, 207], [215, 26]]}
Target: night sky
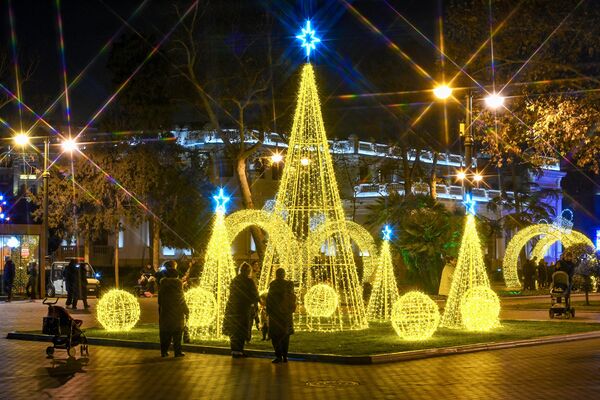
{"points": [[348, 54]]}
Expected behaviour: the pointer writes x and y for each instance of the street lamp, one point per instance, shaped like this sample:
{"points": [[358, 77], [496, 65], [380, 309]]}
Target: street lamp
{"points": [[494, 101], [461, 175], [276, 158], [442, 92], [69, 145], [22, 140], [477, 177]]}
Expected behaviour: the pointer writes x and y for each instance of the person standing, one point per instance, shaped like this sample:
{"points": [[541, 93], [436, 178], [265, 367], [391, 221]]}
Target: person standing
{"points": [[172, 310], [30, 289], [82, 289], [281, 304], [8, 277], [239, 311], [69, 278]]}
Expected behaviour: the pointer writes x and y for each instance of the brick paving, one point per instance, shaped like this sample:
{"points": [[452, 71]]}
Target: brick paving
{"points": [[568, 370]]}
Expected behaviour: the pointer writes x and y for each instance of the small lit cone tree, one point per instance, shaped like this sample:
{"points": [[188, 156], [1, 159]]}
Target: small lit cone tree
{"points": [[308, 196], [218, 271], [385, 290], [469, 273]]}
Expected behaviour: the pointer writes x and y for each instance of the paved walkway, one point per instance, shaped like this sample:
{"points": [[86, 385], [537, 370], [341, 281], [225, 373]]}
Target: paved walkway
{"points": [[568, 370]]}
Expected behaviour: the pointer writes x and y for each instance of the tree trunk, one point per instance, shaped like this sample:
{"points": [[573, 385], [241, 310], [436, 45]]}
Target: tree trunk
{"points": [[155, 244], [116, 256], [87, 245], [244, 184]]}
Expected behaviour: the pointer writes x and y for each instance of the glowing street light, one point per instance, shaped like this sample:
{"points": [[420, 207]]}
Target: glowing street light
{"points": [[69, 145], [276, 158], [442, 92], [494, 101], [21, 139], [477, 177], [461, 175]]}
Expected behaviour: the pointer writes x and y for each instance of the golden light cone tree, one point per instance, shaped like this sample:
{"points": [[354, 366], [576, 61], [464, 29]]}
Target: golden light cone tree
{"points": [[385, 290], [308, 198], [470, 272], [218, 272]]}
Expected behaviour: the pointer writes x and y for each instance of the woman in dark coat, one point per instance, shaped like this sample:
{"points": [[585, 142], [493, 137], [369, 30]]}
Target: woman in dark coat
{"points": [[281, 304], [239, 311], [172, 311]]}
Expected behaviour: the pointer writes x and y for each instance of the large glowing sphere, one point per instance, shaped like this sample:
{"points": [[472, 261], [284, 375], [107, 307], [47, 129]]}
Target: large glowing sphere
{"points": [[202, 306], [415, 316], [321, 300], [480, 308], [118, 310]]}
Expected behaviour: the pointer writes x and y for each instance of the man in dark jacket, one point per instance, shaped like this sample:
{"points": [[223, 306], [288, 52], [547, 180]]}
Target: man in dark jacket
{"points": [[239, 311], [281, 304], [172, 311], [81, 285], [8, 277], [70, 277]]}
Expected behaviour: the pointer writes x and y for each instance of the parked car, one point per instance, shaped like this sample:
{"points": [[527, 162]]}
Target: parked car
{"points": [[55, 284]]}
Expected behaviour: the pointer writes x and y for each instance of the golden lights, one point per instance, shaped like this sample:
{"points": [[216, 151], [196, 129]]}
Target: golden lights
{"points": [[480, 309], [203, 309], [415, 316], [321, 301], [385, 291], [118, 311]]}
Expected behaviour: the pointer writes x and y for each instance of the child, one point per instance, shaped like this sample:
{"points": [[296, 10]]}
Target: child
{"points": [[264, 318]]}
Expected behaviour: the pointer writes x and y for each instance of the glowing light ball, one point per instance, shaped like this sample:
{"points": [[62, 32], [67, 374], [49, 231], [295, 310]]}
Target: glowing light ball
{"points": [[118, 310], [321, 300], [415, 316], [202, 306], [480, 308]]}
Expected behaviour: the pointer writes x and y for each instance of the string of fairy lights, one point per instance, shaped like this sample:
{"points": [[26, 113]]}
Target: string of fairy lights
{"points": [[385, 290]]}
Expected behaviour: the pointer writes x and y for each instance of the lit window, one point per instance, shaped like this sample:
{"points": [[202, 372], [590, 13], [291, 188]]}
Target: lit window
{"points": [[187, 252], [121, 239], [168, 251]]}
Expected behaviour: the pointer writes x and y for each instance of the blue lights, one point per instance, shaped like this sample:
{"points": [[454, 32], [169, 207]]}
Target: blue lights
{"points": [[387, 233], [308, 39], [221, 200], [469, 203], [597, 239]]}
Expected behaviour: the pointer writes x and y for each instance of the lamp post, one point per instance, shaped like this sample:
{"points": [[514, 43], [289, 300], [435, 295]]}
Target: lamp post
{"points": [[22, 140], [493, 101]]}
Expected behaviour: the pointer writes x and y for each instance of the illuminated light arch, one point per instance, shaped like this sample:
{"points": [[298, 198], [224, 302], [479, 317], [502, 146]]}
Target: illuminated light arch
{"points": [[567, 239], [511, 255], [358, 234], [281, 238]]}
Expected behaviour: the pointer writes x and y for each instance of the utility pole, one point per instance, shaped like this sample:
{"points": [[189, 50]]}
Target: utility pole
{"points": [[44, 235]]}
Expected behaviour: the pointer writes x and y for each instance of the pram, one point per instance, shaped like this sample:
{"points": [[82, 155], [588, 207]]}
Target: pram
{"points": [[559, 290], [66, 331]]}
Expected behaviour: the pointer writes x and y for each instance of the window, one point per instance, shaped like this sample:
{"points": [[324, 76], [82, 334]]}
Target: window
{"points": [[187, 252], [168, 251], [121, 239], [252, 243]]}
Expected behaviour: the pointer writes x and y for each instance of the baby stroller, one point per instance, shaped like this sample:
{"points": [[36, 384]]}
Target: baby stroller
{"points": [[559, 290], [66, 331]]}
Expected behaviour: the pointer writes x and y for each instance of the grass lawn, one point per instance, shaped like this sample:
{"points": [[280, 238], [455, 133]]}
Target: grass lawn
{"points": [[579, 306], [379, 338]]}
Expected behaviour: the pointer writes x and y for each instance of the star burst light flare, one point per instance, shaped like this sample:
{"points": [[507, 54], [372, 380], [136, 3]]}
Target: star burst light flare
{"points": [[308, 38]]}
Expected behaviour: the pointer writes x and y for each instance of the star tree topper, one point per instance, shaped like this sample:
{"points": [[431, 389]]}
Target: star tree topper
{"points": [[387, 233], [221, 200], [469, 203], [308, 38]]}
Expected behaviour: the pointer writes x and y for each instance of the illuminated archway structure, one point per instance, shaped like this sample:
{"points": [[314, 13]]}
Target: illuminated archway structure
{"points": [[282, 244], [551, 234], [357, 233]]}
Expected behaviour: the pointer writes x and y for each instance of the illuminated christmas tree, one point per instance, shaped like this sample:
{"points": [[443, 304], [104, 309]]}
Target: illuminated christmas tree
{"points": [[219, 270], [385, 290], [469, 273], [308, 199]]}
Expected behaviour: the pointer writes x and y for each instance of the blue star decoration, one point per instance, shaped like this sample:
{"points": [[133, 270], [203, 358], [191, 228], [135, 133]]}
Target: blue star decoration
{"points": [[469, 203], [387, 233], [221, 200], [308, 38]]}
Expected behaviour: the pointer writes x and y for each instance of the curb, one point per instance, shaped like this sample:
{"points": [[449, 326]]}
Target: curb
{"points": [[330, 358]]}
